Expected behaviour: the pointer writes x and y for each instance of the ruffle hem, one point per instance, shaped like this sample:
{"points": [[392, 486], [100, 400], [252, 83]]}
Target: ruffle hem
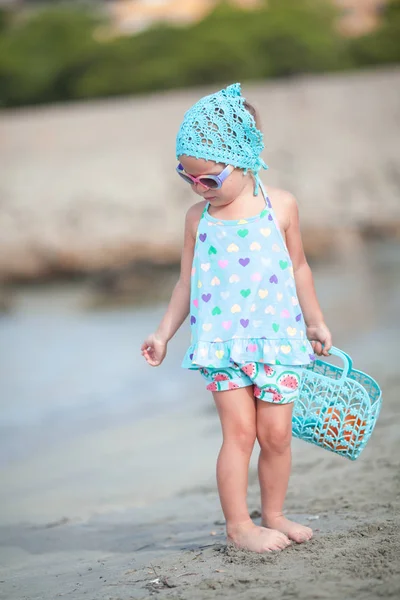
{"points": [[216, 355]]}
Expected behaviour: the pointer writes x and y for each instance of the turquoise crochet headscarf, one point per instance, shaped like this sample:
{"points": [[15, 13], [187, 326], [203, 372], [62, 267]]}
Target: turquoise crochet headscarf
{"points": [[219, 128]]}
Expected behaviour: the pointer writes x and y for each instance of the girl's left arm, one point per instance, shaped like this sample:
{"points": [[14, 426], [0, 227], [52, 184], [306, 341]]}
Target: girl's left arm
{"points": [[316, 329]]}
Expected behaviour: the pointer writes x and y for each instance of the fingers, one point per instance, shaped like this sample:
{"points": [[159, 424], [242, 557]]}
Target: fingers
{"points": [[153, 362], [150, 356], [322, 349], [146, 351], [145, 345], [153, 350], [318, 348], [327, 345]]}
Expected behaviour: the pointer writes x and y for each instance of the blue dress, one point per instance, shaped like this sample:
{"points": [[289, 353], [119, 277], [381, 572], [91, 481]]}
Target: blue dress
{"points": [[243, 301]]}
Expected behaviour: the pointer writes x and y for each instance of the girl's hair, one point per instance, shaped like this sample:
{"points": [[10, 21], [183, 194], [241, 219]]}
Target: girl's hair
{"points": [[250, 108]]}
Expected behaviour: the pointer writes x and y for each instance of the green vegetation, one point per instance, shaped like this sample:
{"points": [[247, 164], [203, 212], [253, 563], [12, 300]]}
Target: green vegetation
{"points": [[61, 53], [382, 46]]}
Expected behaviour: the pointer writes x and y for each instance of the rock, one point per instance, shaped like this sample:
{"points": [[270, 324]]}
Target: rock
{"points": [[91, 187]]}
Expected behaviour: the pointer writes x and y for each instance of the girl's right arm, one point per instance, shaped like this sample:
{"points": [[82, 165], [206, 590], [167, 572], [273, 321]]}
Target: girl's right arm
{"points": [[154, 348]]}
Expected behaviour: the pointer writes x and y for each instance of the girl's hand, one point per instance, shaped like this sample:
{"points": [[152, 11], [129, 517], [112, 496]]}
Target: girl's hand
{"points": [[318, 335], [154, 350]]}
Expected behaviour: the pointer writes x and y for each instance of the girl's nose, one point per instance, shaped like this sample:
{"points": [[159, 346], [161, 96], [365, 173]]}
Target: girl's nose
{"points": [[198, 188]]}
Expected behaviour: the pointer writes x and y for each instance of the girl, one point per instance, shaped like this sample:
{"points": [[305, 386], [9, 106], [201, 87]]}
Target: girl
{"points": [[254, 316]]}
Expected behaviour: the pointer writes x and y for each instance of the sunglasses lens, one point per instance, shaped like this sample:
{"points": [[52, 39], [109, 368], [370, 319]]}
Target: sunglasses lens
{"points": [[185, 177], [210, 183]]}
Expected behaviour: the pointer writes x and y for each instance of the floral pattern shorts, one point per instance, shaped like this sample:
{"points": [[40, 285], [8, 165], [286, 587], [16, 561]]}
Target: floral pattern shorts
{"points": [[272, 383]]}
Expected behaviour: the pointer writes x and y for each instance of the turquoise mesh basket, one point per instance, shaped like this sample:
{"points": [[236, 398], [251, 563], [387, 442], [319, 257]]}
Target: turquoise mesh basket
{"points": [[337, 407]]}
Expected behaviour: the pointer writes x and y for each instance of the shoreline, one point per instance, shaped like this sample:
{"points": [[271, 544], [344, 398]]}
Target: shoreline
{"points": [[175, 546], [100, 504]]}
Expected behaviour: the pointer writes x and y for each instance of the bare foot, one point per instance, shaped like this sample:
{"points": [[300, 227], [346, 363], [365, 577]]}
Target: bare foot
{"points": [[296, 532], [249, 536]]}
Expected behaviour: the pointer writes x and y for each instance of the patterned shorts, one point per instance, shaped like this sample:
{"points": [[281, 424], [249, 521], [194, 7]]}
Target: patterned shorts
{"points": [[272, 383]]}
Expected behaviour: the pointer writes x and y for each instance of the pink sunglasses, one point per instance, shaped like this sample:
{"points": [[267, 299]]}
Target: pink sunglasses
{"points": [[210, 182]]}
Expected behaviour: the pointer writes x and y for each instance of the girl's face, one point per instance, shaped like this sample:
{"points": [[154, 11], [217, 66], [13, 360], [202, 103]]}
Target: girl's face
{"points": [[236, 184]]}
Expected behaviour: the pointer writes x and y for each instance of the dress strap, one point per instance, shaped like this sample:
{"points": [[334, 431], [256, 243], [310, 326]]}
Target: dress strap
{"points": [[264, 193], [272, 215], [205, 210]]}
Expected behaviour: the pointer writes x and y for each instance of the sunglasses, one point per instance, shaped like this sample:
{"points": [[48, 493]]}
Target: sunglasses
{"points": [[210, 182]]}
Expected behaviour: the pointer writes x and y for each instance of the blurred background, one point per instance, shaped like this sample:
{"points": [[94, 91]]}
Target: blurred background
{"points": [[92, 214]]}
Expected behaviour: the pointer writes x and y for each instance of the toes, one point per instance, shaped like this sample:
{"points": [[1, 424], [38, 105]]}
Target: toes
{"points": [[301, 536], [268, 549], [308, 533], [283, 544], [273, 547], [299, 539], [284, 540], [275, 541]]}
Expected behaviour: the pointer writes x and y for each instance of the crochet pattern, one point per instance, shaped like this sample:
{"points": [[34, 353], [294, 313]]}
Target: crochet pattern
{"points": [[219, 128]]}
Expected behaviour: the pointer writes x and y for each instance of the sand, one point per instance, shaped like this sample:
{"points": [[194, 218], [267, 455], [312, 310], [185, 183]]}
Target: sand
{"points": [[102, 504], [175, 548]]}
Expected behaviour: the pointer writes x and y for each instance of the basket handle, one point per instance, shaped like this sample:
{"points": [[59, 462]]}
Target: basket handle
{"points": [[348, 363]]}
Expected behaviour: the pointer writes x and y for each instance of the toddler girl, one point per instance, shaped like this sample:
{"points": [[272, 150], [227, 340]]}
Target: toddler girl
{"points": [[255, 319]]}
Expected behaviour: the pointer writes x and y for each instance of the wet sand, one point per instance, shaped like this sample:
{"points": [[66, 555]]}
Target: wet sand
{"points": [[129, 509], [175, 548]]}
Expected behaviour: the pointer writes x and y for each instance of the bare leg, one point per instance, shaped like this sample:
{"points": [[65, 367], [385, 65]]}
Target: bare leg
{"points": [[237, 412], [274, 432]]}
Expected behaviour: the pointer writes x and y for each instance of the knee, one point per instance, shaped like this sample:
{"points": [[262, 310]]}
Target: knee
{"points": [[242, 436], [275, 439]]}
